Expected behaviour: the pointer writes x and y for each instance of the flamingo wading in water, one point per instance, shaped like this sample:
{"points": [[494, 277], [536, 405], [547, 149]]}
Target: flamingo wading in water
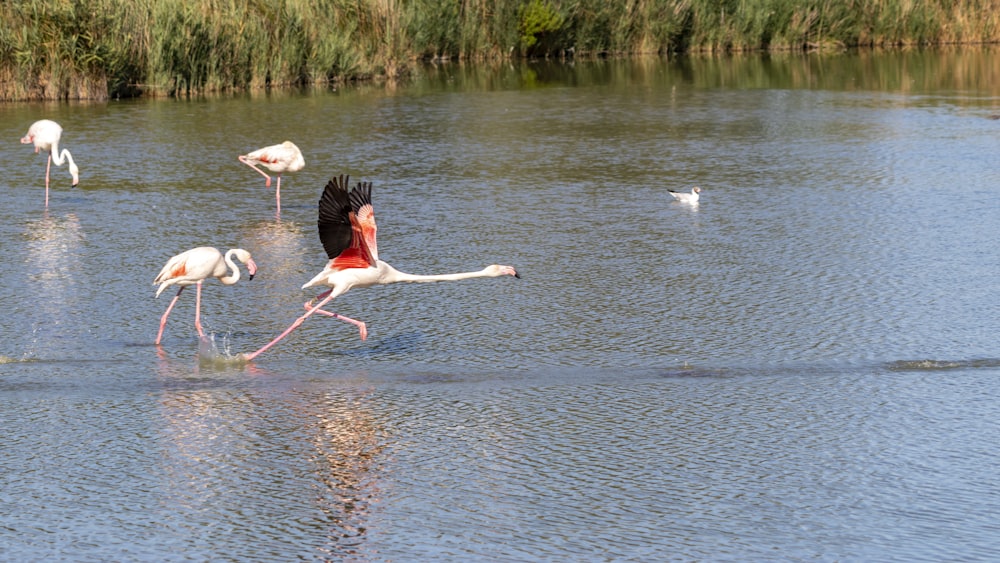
{"points": [[45, 135], [686, 197], [193, 267], [347, 231], [285, 157]]}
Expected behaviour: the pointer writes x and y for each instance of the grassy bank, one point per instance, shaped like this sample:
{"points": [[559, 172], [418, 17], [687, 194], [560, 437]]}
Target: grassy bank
{"points": [[95, 49]]}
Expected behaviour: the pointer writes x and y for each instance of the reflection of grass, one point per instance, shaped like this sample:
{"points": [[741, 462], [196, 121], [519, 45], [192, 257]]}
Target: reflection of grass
{"points": [[101, 48]]}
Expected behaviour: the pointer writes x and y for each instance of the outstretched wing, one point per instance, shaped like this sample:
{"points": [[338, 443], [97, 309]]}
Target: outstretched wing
{"points": [[364, 219], [347, 224], [335, 217]]}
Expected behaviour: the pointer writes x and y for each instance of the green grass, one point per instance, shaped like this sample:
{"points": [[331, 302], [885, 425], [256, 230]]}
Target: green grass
{"points": [[96, 49]]}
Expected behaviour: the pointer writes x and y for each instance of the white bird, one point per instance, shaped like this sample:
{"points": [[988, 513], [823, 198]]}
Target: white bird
{"points": [[686, 197], [193, 267], [347, 230], [45, 135], [285, 157]]}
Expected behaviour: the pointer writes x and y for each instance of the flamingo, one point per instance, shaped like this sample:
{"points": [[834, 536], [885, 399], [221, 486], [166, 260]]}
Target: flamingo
{"points": [[45, 135], [285, 157], [194, 266], [347, 232], [686, 197]]}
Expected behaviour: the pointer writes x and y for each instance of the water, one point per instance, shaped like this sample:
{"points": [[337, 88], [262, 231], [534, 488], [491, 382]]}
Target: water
{"points": [[800, 367]]}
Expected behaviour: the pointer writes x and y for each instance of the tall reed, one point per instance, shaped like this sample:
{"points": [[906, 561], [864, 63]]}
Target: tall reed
{"points": [[67, 49]]}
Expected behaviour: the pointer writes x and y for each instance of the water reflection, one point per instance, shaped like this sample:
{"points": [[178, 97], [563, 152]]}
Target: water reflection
{"points": [[286, 254], [810, 351], [281, 245], [347, 450], [311, 457], [54, 249], [689, 206], [955, 69], [55, 270]]}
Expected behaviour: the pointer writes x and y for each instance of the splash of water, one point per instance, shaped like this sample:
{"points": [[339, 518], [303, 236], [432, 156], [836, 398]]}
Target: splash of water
{"points": [[209, 353]]}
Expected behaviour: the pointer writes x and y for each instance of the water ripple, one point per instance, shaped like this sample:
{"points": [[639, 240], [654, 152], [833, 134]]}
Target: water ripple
{"points": [[802, 365]]}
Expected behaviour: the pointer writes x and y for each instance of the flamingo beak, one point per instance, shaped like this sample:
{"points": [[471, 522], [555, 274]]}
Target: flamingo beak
{"points": [[251, 268]]}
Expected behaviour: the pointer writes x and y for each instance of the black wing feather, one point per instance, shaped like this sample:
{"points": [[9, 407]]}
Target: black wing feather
{"points": [[361, 196], [334, 216]]}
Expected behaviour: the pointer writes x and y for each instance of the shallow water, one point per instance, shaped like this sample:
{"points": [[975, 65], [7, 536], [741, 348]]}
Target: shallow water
{"points": [[800, 367]]}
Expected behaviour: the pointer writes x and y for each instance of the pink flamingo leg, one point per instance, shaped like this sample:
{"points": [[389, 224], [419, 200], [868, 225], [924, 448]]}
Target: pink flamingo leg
{"points": [[360, 324], [294, 326], [267, 183], [48, 166], [277, 194], [163, 319], [197, 312]]}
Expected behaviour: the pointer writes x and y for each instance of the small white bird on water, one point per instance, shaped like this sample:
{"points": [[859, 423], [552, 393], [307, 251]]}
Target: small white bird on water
{"points": [[686, 197]]}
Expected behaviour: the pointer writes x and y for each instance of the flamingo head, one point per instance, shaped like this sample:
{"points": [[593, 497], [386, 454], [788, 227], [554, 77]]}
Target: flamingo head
{"points": [[74, 171], [497, 270], [244, 256]]}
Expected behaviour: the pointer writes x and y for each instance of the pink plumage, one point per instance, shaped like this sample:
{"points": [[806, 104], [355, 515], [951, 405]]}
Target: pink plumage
{"points": [[279, 159], [347, 231], [193, 267], [45, 134]]}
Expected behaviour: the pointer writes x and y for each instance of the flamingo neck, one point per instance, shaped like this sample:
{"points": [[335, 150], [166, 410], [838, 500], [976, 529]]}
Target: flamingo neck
{"points": [[388, 274], [58, 158], [234, 276]]}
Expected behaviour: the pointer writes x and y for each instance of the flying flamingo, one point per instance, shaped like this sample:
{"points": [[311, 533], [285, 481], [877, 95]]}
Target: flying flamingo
{"points": [[285, 157], [45, 135], [686, 197], [194, 266], [347, 231]]}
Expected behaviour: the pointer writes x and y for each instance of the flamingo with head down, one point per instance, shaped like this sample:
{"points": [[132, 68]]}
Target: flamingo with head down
{"points": [[193, 267], [347, 231], [45, 134]]}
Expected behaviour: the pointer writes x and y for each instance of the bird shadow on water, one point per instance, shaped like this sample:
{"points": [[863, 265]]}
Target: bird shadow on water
{"points": [[403, 343], [406, 343], [690, 371]]}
